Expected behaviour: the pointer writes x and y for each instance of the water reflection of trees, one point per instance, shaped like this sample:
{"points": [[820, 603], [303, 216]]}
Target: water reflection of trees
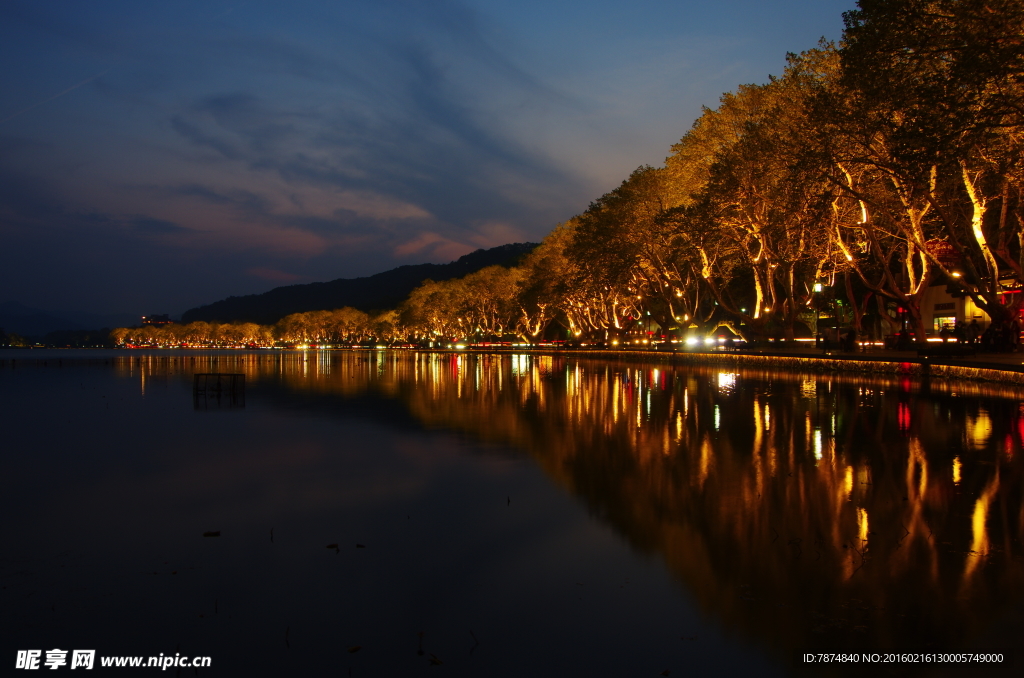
{"points": [[802, 510]]}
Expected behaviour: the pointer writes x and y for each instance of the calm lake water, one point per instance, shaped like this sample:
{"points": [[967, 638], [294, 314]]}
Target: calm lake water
{"points": [[402, 514]]}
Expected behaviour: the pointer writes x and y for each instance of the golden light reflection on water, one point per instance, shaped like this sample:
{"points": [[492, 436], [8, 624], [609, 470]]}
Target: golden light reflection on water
{"points": [[798, 509], [862, 527], [979, 527], [979, 429]]}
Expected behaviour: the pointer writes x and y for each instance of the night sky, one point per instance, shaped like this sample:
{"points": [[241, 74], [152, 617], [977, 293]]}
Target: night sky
{"points": [[154, 157]]}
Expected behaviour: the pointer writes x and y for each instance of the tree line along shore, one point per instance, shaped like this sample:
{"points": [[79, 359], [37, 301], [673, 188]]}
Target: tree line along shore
{"points": [[844, 192]]}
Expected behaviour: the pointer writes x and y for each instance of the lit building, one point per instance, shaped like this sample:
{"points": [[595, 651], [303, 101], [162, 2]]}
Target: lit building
{"points": [[156, 319]]}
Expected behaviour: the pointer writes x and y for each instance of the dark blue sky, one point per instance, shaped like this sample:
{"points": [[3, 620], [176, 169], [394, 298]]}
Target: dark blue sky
{"points": [[154, 157]]}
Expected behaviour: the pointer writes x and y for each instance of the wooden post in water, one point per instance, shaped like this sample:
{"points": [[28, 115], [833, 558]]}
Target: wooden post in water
{"points": [[219, 389]]}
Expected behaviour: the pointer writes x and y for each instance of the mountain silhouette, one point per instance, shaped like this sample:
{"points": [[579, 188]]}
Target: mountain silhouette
{"points": [[373, 293]]}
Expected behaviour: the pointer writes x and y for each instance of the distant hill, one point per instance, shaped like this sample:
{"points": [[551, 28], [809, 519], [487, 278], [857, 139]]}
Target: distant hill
{"points": [[373, 293]]}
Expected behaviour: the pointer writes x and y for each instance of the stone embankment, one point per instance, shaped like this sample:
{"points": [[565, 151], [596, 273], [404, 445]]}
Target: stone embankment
{"points": [[999, 367]]}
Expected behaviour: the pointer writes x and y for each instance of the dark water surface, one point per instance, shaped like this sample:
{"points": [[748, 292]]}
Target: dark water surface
{"points": [[517, 515]]}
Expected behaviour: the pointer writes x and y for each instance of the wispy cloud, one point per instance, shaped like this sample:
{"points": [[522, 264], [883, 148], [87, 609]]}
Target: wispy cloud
{"points": [[55, 96], [150, 225], [328, 139]]}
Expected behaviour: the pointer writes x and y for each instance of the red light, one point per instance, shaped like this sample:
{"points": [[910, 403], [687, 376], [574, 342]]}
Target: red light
{"points": [[903, 416]]}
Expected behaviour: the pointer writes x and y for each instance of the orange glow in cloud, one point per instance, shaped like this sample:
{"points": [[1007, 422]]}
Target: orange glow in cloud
{"points": [[434, 244], [496, 233]]}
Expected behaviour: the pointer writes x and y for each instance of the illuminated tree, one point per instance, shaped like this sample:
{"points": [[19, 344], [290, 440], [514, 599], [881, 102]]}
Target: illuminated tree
{"points": [[386, 327], [618, 262], [119, 335], [346, 325], [762, 215], [932, 101], [543, 281], [434, 311], [489, 301]]}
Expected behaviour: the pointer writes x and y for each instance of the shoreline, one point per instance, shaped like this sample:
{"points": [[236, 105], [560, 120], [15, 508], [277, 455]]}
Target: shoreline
{"points": [[1002, 368]]}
